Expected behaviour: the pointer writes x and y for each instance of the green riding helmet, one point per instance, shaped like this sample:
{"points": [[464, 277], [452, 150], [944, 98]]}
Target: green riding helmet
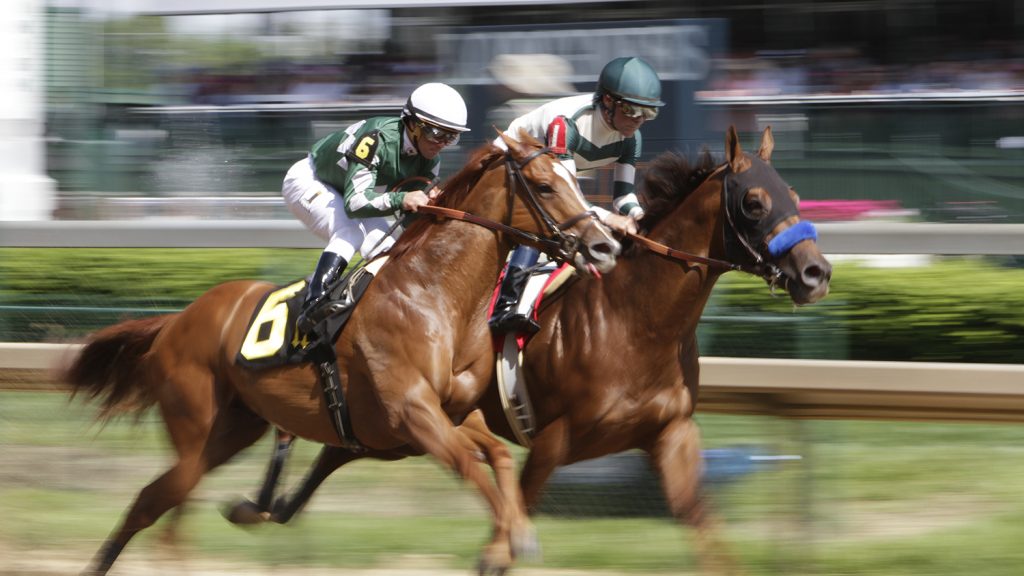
{"points": [[632, 80]]}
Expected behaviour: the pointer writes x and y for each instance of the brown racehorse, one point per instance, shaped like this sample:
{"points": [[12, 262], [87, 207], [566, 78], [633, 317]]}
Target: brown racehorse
{"points": [[590, 403], [414, 357]]}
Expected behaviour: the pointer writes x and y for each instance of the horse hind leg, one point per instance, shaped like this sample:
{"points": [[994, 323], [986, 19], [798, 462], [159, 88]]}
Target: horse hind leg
{"points": [[166, 492], [677, 457], [203, 438], [330, 459]]}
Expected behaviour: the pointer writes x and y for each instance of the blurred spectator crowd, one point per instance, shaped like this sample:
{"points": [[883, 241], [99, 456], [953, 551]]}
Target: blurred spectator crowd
{"points": [[359, 77], [994, 68]]}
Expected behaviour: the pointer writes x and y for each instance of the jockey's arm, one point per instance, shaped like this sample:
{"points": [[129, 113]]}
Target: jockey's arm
{"points": [[362, 200]]}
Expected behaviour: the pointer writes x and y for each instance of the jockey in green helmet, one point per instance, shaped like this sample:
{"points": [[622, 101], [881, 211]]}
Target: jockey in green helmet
{"points": [[587, 131]]}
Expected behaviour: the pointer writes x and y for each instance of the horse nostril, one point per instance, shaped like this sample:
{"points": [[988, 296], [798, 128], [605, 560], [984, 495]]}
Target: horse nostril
{"points": [[609, 248], [815, 274], [604, 248]]}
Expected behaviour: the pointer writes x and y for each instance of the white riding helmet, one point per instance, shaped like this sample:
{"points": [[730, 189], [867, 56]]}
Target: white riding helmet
{"points": [[437, 104]]}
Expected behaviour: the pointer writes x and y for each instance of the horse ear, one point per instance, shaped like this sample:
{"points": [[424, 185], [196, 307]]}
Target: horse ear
{"points": [[767, 145], [513, 145], [734, 153]]}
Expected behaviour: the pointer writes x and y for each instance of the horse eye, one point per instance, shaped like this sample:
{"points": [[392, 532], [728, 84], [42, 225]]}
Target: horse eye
{"points": [[545, 189], [755, 207]]}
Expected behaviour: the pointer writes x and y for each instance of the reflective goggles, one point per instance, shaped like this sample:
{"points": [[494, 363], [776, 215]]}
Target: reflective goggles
{"points": [[438, 135], [636, 111]]}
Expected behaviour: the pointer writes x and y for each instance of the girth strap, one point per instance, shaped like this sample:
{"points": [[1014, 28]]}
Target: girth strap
{"points": [[336, 405]]}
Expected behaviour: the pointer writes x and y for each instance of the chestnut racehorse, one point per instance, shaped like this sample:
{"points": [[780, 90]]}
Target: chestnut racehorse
{"points": [[702, 220], [414, 357]]}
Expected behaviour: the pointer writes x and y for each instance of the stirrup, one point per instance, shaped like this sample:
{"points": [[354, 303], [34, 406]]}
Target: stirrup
{"points": [[307, 321], [334, 307], [321, 310]]}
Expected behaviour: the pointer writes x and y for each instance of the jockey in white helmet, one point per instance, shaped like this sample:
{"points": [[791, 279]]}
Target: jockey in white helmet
{"points": [[340, 191]]}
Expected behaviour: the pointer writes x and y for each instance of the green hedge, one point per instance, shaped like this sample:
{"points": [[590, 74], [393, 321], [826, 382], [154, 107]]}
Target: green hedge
{"points": [[953, 310], [58, 294]]}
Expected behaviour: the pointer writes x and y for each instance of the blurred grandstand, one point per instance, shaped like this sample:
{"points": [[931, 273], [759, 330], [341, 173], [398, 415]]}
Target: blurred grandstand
{"points": [[916, 102]]}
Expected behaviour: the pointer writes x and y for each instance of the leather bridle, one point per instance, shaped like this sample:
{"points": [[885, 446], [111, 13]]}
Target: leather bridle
{"points": [[558, 244], [762, 266]]}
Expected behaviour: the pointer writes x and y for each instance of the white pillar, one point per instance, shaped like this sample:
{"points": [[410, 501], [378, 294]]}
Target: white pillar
{"points": [[26, 192]]}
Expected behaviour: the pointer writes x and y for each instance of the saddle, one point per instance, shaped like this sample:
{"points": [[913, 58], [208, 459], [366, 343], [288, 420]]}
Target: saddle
{"points": [[273, 339]]}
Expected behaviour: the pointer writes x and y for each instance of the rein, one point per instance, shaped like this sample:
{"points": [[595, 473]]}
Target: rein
{"points": [[674, 254], [560, 246], [453, 214], [762, 268]]}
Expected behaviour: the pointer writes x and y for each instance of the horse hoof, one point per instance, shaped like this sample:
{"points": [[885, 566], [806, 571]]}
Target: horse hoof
{"points": [[245, 512], [485, 569], [526, 544], [279, 512]]}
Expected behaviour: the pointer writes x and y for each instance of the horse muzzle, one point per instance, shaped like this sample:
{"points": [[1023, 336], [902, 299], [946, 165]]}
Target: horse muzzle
{"points": [[807, 273], [597, 257]]}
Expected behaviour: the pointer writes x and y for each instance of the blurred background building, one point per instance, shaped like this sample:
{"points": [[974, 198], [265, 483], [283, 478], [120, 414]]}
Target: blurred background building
{"points": [[189, 108], [25, 190]]}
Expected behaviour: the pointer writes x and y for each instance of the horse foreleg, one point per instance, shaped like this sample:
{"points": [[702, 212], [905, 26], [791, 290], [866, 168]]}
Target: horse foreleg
{"points": [[522, 536], [676, 456], [428, 428], [547, 453]]}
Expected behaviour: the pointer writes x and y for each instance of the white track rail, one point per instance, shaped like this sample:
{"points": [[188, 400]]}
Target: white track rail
{"points": [[787, 388], [834, 237]]}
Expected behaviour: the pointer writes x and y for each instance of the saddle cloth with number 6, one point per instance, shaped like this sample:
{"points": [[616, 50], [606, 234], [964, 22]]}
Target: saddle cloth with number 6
{"points": [[271, 338]]}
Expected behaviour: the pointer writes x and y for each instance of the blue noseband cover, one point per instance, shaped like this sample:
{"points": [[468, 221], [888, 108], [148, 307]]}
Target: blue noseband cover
{"points": [[792, 236]]}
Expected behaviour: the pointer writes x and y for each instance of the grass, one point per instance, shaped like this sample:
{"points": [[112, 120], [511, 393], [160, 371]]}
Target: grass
{"points": [[865, 498]]}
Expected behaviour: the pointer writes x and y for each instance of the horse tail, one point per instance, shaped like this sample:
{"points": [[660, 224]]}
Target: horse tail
{"points": [[111, 366]]}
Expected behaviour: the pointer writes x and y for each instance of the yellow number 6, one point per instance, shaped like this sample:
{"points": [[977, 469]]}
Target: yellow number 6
{"points": [[275, 312], [363, 148]]}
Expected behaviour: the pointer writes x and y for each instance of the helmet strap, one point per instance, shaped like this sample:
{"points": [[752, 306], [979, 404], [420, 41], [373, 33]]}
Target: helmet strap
{"points": [[609, 111], [411, 126]]}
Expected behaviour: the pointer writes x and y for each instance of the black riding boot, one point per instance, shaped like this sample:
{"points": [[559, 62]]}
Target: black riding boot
{"points": [[329, 266], [506, 317]]}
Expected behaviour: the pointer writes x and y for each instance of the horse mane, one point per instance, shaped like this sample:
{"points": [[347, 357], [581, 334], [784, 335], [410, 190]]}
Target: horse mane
{"points": [[668, 180], [455, 189]]}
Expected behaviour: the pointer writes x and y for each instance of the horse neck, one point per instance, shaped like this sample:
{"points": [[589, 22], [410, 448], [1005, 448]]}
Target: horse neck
{"points": [[464, 259], [666, 296]]}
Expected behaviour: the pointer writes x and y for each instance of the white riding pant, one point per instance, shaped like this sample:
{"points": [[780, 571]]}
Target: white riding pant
{"points": [[322, 209]]}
